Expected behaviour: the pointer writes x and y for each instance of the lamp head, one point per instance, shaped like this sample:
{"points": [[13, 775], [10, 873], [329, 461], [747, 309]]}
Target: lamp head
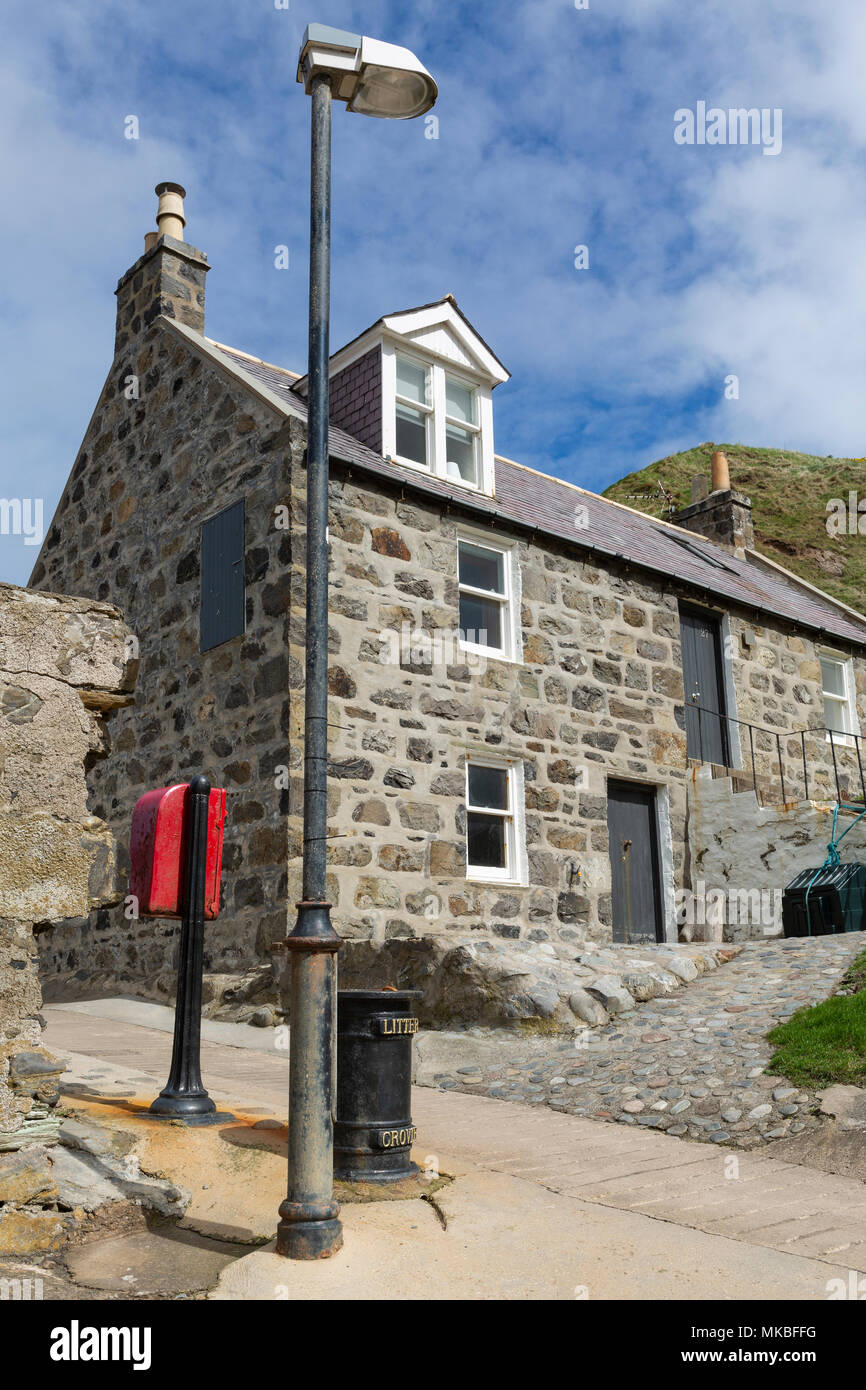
{"points": [[373, 78]]}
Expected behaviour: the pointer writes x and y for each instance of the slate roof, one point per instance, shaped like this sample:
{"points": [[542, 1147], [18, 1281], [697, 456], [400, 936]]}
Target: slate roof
{"points": [[548, 505]]}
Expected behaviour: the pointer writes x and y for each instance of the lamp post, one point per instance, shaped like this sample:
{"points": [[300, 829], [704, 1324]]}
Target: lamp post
{"points": [[373, 79]]}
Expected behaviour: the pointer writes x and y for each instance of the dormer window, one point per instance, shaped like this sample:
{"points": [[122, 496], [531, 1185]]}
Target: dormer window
{"points": [[436, 422], [416, 388]]}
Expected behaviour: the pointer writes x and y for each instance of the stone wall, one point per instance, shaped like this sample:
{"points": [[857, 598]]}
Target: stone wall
{"points": [[743, 855], [63, 664], [127, 530], [599, 694], [777, 677]]}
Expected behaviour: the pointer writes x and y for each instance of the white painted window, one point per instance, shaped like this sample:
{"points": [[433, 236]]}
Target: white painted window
{"points": [[413, 412], [495, 821], [442, 422], [837, 687], [461, 432], [488, 597]]}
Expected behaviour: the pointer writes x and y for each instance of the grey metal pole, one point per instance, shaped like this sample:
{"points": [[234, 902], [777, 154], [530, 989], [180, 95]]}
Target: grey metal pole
{"points": [[309, 1228]]}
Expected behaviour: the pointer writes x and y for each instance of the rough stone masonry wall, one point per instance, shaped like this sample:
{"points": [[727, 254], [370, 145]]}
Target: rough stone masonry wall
{"points": [[747, 853], [599, 694], [596, 695], [778, 684], [63, 663], [128, 530]]}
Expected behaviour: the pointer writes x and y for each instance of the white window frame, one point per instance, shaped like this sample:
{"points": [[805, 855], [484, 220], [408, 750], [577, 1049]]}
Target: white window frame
{"points": [[512, 650], [848, 701], [515, 874], [437, 418], [425, 408]]}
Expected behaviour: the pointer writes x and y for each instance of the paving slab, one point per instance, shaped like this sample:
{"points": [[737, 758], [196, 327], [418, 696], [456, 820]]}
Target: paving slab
{"points": [[160, 1264], [506, 1239]]}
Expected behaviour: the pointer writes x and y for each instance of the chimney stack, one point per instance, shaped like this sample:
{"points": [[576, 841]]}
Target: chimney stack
{"points": [[168, 279], [722, 516]]}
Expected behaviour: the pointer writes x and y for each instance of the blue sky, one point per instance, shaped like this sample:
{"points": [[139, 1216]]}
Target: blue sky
{"points": [[556, 129]]}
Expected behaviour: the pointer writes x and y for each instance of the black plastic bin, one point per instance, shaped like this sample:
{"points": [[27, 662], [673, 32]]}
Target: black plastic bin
{"points": [[373, 1130], [837, 899]]}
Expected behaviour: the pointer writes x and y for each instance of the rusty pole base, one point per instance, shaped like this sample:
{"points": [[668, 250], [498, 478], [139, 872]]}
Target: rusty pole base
{"points": [[309, 1240]]}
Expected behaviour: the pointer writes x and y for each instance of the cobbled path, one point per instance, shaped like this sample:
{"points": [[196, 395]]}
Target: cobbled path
{"points": [[690, 1063]]}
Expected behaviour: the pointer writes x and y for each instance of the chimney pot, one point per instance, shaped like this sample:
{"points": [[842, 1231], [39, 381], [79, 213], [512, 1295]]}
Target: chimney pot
{"points": [[169, 213], [150, 240], [721, 473]]}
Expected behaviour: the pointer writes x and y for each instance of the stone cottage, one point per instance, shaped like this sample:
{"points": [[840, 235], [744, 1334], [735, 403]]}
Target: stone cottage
{"points": [[525, 677]]}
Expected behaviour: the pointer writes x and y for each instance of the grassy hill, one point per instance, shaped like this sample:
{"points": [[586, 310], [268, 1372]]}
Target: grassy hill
{"points": [[789, 493]]}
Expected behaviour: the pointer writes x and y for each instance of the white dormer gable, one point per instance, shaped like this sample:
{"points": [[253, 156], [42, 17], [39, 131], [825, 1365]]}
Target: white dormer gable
{"points": [[440, 330], [437, 380]]}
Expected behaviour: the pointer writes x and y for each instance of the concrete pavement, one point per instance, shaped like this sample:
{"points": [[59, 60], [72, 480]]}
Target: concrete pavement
{"points": [[543, 1204]]}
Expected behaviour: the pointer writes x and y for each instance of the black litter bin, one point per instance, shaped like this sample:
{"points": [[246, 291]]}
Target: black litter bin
{"points": [[373, 1130], [837, 899]]}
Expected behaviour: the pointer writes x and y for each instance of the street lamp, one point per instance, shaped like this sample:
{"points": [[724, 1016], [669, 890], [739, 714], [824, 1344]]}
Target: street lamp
{"points": [[373, 79]]}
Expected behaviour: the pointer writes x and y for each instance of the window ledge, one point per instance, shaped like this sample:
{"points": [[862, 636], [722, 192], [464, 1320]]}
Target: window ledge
{"points": [[427, 472], [497, 882], [491, 654]]}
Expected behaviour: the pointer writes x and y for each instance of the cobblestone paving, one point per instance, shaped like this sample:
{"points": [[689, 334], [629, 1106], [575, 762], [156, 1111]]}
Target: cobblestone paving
{"points": [[691, 1063]]}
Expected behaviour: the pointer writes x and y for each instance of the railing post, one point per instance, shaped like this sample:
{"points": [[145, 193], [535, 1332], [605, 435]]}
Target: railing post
{"points": [[835, 765], [752, 752], [860, 765], [805, 766]]}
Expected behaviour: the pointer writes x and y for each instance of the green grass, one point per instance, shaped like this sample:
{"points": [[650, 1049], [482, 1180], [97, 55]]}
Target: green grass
{"points": [[827, 1043], [789, 493]]}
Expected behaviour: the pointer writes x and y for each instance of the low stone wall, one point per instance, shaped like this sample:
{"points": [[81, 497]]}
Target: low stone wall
{"points": [[742, 855], [63, 664], [530, 986]]}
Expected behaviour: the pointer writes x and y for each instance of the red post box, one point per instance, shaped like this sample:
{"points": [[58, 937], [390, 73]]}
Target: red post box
{"points": [[156, 844]]}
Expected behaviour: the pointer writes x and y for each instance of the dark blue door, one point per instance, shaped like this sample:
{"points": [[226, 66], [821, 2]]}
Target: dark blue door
{"points": [[706, 726], [634, 862]]}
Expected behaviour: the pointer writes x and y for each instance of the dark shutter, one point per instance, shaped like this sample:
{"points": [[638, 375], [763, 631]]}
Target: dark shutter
{"points": [[703, 682], [222, 577]]}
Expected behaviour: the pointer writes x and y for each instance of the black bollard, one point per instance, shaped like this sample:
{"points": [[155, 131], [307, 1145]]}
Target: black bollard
{"points": [[184, 1096], [373, 1131]]}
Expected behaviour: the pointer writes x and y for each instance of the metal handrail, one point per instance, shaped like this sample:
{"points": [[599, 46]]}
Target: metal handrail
{"points": [[777, 736]]}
